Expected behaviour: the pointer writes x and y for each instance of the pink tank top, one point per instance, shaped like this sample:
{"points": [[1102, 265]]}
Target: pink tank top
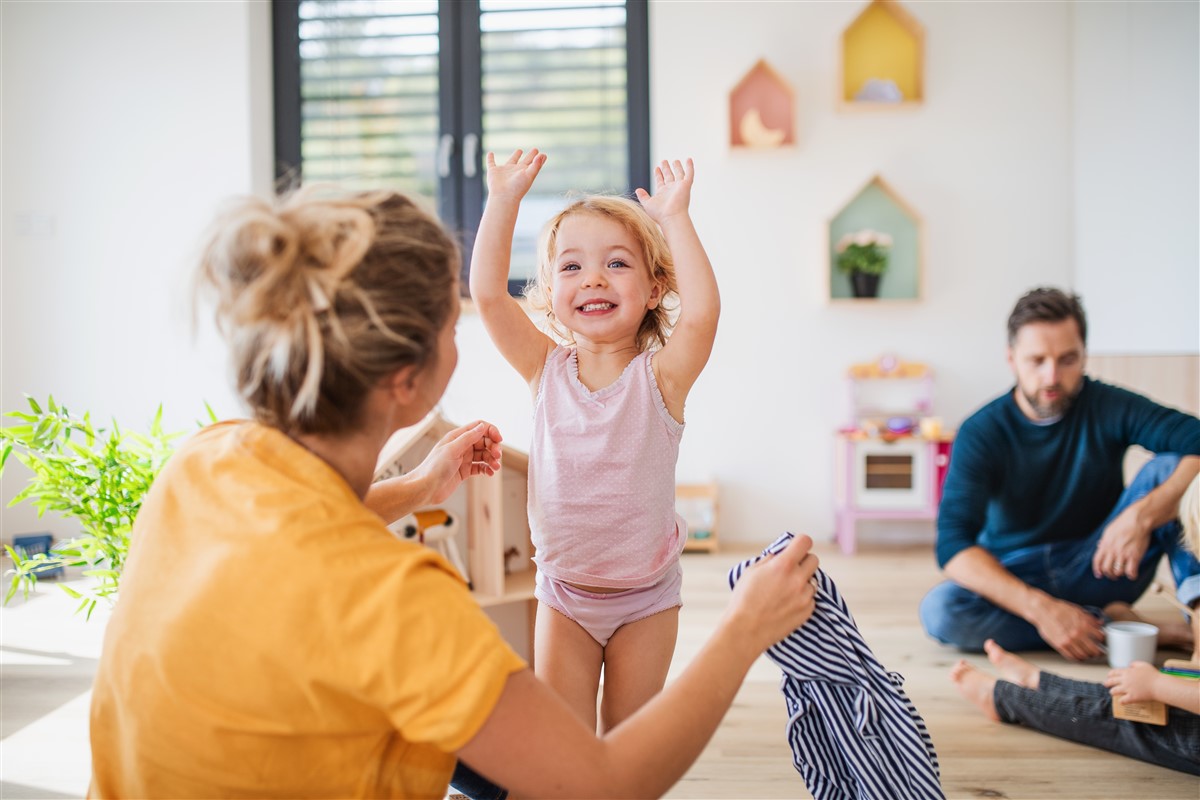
{"points": [[602, 477]]}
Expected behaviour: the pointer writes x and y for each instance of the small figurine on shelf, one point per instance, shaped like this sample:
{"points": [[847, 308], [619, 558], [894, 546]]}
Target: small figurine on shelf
{"points": [[863, 255], [879, 90], [510, 555], [436, 528]]}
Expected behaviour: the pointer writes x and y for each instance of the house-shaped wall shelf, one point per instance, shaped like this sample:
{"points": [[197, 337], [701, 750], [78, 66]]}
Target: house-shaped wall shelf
{"points": [[878, 207], [883, 58], [762, 110], [495, 537]]}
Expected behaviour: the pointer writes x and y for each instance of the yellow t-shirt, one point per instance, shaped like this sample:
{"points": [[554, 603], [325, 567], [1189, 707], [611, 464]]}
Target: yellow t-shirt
{"points": [[273, 638]]}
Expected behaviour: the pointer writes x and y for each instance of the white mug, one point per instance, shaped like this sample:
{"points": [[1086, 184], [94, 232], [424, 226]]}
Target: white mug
{"points": [[1129, 642]]}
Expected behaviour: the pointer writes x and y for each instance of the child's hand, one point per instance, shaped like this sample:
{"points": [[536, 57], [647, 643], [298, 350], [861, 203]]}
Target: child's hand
{"points": [[512, 179], [672, 191], [472, 449], [1133, 684]]}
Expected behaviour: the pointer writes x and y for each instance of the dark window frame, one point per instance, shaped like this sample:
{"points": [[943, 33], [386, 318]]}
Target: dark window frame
{"points": [[460, 197]]}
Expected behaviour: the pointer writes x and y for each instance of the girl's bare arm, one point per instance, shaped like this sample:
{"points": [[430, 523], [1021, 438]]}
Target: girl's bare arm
{"points": [[515, 335], [682, 359]]}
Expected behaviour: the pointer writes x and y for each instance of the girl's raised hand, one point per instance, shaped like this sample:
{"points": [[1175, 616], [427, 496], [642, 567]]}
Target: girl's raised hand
{"points": [[512, 179], [672, 191]]}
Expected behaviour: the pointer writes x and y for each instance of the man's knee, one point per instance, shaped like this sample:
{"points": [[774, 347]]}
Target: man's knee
{"points": [[937, 613], [1155, 471]]}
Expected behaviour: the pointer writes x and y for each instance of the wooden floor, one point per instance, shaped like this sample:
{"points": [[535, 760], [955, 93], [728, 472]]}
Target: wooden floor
{"points": [[749, 757], [48, 655]]}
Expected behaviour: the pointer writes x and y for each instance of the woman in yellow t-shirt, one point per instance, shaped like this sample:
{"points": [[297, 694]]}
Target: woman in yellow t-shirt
{"points": [[274, 639]]}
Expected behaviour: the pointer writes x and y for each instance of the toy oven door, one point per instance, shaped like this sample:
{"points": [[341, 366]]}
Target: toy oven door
{"points": [[891, 476]]}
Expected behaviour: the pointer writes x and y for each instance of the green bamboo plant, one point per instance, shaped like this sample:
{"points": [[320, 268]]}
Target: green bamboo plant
{"points": [[94, 475]]}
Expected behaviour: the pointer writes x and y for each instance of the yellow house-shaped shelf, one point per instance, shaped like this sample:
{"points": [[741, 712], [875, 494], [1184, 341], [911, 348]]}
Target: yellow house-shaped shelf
{"points": [[762, 110], [883, 58], [878, 207], [495, 537]]}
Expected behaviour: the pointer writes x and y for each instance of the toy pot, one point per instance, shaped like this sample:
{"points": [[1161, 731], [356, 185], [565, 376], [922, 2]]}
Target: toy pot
{"points": [[864, 284]]}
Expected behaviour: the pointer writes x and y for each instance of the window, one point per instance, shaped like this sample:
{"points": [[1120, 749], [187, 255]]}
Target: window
{"points": [[411, 94]]}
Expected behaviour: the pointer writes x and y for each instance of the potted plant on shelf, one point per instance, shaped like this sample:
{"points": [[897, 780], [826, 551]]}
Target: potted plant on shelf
{"points": [[863, 255]]}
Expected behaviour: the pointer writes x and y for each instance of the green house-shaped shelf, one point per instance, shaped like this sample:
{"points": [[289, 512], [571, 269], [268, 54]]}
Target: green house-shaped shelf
{"points": [[878, 207], [883, 58], [762, 110]]}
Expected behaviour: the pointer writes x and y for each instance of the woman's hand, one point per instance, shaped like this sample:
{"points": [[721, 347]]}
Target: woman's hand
{"points": [[672, 191], [1136, 683], [512, 179], [776, 595], [472, 449]]}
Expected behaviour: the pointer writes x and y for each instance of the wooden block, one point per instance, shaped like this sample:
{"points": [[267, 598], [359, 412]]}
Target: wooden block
{"points": [[1152, 712], [1180, 663]]}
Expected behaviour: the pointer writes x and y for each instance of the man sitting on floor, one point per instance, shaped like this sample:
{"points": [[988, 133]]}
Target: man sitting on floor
{"points": [[1035, 531]]}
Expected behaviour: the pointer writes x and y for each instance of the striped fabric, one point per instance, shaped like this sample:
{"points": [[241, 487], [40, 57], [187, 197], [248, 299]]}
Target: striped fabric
{"points": [[854, 733]]}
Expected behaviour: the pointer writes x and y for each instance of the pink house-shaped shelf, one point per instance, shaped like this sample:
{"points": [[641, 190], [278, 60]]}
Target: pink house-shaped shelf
{"points": [[762, 110]]}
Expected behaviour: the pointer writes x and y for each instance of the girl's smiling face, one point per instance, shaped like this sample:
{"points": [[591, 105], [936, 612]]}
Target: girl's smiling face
{"points": [[601, 287]]}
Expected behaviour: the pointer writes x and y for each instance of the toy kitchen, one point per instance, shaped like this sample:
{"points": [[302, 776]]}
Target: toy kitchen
{"points": [[892, 454]]}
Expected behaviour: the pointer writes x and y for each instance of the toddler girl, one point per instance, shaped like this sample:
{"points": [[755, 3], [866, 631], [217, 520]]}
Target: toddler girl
{"points": [[608, 416]]}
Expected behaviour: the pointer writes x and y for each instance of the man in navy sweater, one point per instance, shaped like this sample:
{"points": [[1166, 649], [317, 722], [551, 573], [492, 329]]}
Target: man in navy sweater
{"points": [[1035, 531]]}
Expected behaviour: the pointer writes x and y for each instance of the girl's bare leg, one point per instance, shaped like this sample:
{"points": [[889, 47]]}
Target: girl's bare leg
{"points": [[636, 662], [568, 659]]}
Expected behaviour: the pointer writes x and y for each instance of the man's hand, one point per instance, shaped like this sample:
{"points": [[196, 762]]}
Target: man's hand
{"points": [[473, 449], [1070, 630], [1122, 546]]}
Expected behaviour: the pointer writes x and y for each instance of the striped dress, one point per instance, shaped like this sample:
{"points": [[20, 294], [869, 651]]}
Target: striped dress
{"points": [[853, 731]]}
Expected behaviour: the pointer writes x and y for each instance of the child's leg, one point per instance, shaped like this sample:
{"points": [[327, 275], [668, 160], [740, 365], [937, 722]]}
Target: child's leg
{"points": [[1080, 711], [568, 659], [976, 686], [636, 662], [1014, 668]]}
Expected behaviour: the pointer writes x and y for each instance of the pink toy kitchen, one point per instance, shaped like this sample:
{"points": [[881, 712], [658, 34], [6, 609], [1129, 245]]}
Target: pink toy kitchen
{"points": [[892, 454]]}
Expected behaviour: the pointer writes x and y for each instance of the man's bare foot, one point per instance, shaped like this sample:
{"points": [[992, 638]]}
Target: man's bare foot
{"points": [[976, 686], [1176, 635], [1014, 668]]}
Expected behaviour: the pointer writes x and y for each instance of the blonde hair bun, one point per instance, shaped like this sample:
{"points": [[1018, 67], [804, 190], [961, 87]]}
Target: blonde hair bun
{"points": [[321, 294]]}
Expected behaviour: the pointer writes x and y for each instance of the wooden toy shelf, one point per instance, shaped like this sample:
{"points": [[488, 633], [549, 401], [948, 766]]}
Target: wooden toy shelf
{"points": [[496, 535], [697, 504]]}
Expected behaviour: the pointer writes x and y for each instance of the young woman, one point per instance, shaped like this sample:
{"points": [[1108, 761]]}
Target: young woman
{"points": [[273, 638]]}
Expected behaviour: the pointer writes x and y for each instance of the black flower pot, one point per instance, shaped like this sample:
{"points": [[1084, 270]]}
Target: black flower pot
{"points": [[865, 284]]}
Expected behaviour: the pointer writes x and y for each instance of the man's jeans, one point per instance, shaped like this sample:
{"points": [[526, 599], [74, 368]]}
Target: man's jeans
{"points": [[955, 616]]}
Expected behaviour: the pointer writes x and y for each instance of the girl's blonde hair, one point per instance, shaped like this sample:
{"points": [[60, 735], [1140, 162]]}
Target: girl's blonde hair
{"points": [[321, 297], [1189, 516], [658, 321]]}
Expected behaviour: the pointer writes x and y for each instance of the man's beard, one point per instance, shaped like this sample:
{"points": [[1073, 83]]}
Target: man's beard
{"points": [[1053, 408]]}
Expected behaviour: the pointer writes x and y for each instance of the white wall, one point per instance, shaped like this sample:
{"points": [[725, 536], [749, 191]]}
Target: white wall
{"points": [[125, 123], [985, 162], [1137, 153]]}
